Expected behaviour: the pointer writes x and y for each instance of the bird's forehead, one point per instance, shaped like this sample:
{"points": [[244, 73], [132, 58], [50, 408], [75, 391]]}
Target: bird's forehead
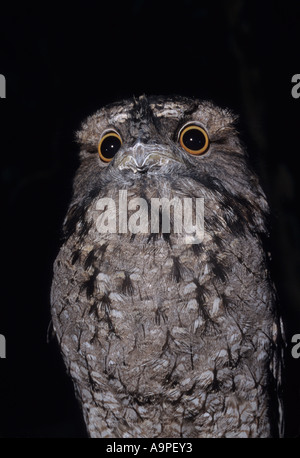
{"points": [[167, 109], [129, 110]]}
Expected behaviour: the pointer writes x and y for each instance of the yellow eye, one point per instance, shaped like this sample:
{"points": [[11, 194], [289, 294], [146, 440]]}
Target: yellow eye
{"points": [[109, 145], [194, 139]]}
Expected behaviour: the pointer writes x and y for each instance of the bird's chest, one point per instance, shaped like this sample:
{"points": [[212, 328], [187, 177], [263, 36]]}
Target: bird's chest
{"points": [[146, 291], [144, 318]]}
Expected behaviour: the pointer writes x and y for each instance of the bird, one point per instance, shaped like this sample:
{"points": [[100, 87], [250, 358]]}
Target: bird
{"points": [[168, 329]]}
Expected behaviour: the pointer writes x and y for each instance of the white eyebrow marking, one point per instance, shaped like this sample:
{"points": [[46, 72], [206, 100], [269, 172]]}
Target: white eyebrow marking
{"points": [[120, 117], [168, 111]]}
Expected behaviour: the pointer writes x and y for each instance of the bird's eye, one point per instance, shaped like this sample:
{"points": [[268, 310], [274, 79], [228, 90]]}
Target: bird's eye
{"points": [[194, 139], [109, 145]]}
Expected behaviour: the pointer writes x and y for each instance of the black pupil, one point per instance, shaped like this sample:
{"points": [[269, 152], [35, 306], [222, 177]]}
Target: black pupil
{"points": [[193, 139], [110, 146]]}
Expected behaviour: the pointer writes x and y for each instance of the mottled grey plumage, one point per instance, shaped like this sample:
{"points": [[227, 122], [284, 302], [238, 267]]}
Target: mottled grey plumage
{"points": [[163, 338]]}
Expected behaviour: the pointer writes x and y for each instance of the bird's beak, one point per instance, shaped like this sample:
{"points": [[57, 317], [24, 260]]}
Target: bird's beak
{"points": [[143, 158]]}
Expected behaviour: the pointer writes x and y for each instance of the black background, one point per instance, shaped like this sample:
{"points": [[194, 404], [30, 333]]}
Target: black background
{"points": [[62, 63]]}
